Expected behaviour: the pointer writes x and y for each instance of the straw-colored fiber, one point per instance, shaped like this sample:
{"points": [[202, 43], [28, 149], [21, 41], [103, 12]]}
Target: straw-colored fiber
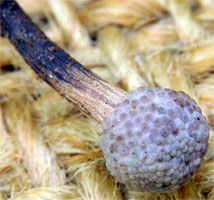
{"points": [[48, 149]]}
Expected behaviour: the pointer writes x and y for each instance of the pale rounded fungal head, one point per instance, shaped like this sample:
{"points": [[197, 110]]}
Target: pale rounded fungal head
{"points": [[155, 140]]}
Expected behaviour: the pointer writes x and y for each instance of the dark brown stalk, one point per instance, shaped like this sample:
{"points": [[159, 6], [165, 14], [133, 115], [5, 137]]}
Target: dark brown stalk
{"points": [[94, 96]]}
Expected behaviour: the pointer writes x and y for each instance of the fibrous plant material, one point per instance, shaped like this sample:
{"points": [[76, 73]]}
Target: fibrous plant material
{"points": [[72, 138]]}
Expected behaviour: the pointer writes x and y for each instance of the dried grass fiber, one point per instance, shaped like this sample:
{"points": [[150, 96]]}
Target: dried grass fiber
{"points": [[48, 149]]}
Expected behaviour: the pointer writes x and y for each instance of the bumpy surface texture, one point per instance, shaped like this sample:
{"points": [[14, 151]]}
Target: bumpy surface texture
{"points": [[155, 140]]}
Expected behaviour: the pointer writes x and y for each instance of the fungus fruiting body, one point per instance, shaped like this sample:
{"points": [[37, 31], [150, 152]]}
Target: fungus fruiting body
{"points": [[155, 139]]}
